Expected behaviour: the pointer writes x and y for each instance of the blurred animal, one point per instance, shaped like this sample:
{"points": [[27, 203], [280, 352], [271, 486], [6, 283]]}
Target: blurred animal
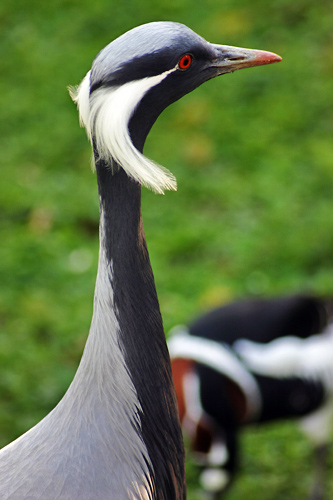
{"points": [[253, 361]]}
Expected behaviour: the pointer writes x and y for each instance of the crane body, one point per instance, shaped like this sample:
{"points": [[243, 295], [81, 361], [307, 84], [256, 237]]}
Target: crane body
{"points": [[254, 362], [116, 434]]}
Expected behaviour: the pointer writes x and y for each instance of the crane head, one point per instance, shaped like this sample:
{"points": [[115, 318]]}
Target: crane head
{"points": [[135, 77]]}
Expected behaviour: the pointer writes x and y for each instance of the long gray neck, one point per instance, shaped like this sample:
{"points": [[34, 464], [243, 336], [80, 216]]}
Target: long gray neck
{"points": [[126, 359]]}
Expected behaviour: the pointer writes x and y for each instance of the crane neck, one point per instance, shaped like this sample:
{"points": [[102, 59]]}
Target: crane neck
{"points": [[125, 291]]}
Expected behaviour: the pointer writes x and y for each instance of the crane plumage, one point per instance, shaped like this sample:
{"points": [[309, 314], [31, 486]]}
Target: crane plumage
{"points": [[106, 116], [116, 434], [270, 359]]}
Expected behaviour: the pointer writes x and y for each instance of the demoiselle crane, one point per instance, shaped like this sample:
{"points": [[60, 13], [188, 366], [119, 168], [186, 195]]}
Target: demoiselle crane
{"points": [[252, 362], [116, 432]]}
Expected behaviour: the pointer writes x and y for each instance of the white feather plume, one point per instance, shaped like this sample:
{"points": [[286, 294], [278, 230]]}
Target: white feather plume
{"points": [[106, 114]]}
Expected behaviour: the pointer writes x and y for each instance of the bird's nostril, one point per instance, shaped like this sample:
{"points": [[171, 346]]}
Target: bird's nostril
{"points": [[236, 58]]}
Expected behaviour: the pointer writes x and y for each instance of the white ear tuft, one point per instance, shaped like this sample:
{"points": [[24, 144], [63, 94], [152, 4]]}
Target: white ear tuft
{"points": [[81, 96], [106, 115]]}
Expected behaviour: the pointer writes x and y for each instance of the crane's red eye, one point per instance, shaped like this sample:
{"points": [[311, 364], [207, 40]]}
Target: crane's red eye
{"points": [[185, 61]]}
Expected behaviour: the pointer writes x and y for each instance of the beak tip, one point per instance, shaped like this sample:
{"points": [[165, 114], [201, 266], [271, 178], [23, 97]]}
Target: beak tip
{"points": [[277, 58], [263, 57]]}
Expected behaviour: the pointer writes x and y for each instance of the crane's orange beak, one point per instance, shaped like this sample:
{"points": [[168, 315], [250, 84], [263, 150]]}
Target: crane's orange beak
{"points": [[230, 59]]}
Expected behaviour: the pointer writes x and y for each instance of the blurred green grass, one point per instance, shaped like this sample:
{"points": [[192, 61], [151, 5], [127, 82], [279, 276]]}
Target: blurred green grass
{"points": [[253, 156]]}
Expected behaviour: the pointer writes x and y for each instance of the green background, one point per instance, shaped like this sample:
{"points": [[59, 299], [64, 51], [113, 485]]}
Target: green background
{"points": [[253, 156]]}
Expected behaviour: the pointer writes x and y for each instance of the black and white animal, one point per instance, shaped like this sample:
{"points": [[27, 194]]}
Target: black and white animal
{"points": [[116, 434], [253, 361]]}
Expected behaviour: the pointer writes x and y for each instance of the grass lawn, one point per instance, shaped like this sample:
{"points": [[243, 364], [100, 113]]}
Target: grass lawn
{"points": [[253, 156]]}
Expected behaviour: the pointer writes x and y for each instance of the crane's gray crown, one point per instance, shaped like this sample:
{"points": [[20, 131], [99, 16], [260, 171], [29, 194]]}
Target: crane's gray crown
{"points": [[145, 51]]}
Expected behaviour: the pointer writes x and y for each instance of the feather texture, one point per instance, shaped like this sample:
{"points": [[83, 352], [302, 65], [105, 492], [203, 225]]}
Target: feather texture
{"points": [[106, 114]]}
